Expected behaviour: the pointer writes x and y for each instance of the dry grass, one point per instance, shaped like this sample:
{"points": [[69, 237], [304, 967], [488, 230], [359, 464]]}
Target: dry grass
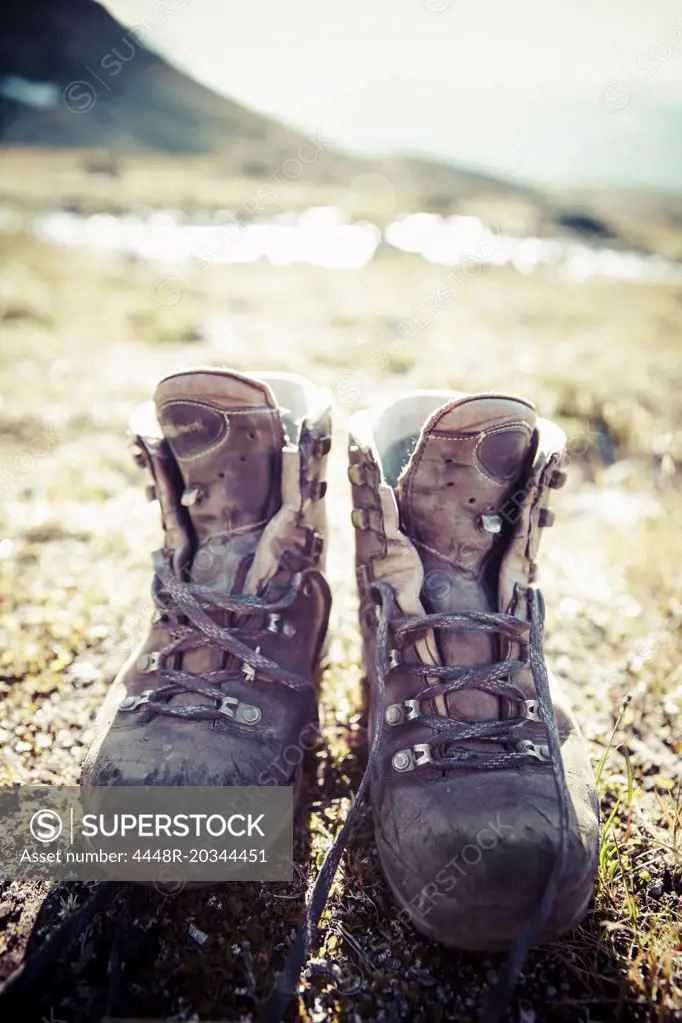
{"points": [[83, 342], [95, 180]]}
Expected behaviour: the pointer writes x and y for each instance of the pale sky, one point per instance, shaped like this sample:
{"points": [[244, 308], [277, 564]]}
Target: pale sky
{"points": [[545, 90], [287, 57]]}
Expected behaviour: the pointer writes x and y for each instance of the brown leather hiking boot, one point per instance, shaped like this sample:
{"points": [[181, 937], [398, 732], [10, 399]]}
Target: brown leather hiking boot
{"points": [[484, 799], [224, 682]]}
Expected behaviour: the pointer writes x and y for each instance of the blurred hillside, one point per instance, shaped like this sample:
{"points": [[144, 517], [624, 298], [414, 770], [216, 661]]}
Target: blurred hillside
{"points": [[72, 76], [92, 65], [76, 81]]}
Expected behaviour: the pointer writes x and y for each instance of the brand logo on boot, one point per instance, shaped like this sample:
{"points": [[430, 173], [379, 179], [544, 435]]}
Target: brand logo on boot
{"points": [[192, 428]]}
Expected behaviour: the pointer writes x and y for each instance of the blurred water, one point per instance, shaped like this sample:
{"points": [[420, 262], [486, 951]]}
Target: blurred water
{"points": [[457, 240], [324, 236]]}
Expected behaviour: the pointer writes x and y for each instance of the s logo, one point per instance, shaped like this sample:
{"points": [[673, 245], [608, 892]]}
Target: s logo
{"points": [[46, 826]]}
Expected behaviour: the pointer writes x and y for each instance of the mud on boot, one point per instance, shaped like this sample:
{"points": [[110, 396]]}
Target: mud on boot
{"points": [[484, 800], [224, 682]]}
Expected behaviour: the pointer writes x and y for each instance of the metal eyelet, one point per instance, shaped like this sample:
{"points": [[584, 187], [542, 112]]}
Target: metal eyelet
{"points": [[146, 663], [422, 753], [492, 523], [277, 624], [395, 715], [414, 756], [191, 496], [244, 713], [403, 760], [532, 749], [530, 710], [133, 702], [408, 710], [248, 670], [413, 709], [312, 548], [394, 659]]}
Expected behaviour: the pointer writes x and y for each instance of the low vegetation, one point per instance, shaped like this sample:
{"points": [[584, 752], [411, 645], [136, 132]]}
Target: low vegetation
{"points": [[82, 343]]}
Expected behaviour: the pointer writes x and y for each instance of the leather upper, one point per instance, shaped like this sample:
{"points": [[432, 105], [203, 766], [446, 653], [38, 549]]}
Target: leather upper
{"points": [[450, 498], [238, 466]]}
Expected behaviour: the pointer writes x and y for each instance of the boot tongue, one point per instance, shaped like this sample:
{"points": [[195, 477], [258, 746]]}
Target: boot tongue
{"points": [[468, 462], [226, 434]]}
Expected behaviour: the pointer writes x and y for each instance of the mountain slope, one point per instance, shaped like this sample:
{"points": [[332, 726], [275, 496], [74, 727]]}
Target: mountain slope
{"points": [[72, 76], [104, 88]]}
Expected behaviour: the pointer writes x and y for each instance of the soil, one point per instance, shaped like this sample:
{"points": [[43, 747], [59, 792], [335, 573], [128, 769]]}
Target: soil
{"points": [[83, 342]]}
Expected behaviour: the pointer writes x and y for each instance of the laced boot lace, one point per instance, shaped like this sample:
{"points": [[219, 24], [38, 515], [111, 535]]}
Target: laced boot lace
{"points": [[190, 603], [492, 679]]}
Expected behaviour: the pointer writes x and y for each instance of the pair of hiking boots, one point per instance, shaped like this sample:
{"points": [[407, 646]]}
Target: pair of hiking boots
{"points": [[484, 800]]}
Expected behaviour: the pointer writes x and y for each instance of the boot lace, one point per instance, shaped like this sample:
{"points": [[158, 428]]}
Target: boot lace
{"points": [[491, 679], [190, 603]]}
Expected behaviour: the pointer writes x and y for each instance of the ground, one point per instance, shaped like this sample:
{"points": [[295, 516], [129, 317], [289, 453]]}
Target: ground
{"points": [[83, 341]]}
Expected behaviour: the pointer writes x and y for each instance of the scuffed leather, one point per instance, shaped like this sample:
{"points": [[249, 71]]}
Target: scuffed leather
{"points": [[250, 533], [429, 821]]}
